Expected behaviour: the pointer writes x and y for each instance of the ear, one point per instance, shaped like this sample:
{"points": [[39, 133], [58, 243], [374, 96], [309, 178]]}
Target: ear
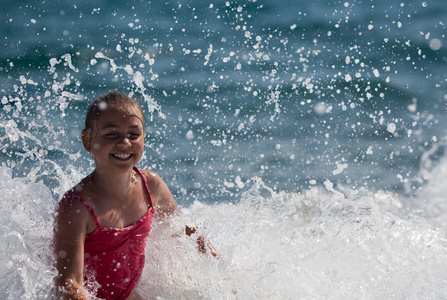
{"points": [[86, 140]]}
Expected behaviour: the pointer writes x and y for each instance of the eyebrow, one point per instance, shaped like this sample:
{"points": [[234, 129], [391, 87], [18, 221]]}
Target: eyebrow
{"points": [[112, 125]]}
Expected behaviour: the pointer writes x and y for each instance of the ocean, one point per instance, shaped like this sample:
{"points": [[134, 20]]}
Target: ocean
{"points": [[306, 140]]}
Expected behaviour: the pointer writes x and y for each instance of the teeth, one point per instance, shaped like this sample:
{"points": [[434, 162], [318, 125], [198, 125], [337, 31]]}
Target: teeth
{"points": [[121, 155]]}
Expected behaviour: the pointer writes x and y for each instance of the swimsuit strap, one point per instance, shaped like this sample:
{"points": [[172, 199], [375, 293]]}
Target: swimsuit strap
{"points": [[145, 184], [90, 209]]}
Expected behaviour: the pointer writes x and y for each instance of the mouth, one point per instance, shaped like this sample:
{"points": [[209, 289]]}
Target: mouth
{"points": [[122, 155]]}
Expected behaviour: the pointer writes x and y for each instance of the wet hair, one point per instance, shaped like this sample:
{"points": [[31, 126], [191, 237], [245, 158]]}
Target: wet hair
{"points": [[111, 100]]}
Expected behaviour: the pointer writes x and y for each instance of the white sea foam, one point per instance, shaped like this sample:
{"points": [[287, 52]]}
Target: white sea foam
{"points": [[25, 233], [315, 244], [431, 199], [272, 245]]}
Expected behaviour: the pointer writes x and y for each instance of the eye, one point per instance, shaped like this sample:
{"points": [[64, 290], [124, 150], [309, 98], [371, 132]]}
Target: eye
{"points": [[112, 135], [133, 136]]}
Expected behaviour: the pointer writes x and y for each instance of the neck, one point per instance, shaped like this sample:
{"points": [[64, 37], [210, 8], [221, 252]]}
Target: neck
{"points": [[113, 185]]}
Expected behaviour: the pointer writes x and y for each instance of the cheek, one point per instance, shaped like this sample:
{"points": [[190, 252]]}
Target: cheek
{"points": [[139, 143]]}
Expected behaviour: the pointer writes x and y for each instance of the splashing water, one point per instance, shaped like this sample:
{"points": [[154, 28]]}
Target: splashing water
{"points": [[26, 230], [311, 244]]}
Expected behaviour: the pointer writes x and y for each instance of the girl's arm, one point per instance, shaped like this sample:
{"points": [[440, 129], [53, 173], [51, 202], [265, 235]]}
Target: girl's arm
{"points": [[69, 236], [162, 199], [165, 205]]}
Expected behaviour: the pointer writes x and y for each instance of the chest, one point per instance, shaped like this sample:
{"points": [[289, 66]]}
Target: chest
{"points": [[122, 213]]}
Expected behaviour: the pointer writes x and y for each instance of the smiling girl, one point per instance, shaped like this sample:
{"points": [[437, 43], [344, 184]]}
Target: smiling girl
{"points": [[103, 222]]}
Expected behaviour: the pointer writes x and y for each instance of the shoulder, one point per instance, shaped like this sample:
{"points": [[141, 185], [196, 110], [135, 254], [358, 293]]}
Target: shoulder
{"points": [[79, 197], [74, 198], [72, 211], [150, 175], [160, 193], [153, 180], [70, 201]]}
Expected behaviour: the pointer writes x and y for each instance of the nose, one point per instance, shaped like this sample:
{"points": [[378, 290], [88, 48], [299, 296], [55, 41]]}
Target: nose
{"points": [[125, 141]]}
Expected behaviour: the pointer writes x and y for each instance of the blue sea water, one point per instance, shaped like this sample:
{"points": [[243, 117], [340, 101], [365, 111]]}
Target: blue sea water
{"points": [[308, 137]]}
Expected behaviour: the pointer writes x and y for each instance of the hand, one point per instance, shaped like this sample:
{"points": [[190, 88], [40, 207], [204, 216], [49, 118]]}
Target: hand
{"points": [[72, 290], [202, 244]]}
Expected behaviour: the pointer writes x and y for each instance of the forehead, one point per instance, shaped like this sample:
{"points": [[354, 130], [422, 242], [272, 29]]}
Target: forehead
{"points": [[130, 114]]}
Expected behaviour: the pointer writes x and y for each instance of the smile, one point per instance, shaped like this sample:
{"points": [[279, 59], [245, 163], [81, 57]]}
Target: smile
{"points": [[122, 155]]}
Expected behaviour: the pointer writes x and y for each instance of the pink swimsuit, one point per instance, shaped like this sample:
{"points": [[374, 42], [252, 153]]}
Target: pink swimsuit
{"points": [[114, 257]]}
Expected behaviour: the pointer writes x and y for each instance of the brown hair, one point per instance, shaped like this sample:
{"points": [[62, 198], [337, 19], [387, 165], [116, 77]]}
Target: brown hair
{"points": [[114, 100]]}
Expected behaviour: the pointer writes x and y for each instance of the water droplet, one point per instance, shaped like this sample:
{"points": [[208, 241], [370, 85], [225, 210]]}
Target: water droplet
{"points": [[391, 127], [190, 135], [435, 44]]}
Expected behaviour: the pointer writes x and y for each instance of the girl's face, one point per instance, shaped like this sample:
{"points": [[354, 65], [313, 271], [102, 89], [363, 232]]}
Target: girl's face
{"points": [[116, 140]]}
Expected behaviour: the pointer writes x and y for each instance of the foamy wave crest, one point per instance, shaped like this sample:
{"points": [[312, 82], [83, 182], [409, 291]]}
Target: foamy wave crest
{"points": [[431, 199], [25, 234], [315, 244]]}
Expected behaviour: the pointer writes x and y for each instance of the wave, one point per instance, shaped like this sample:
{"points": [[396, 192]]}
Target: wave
{"points": [[320, 243], [26, 229], [315, 244]]}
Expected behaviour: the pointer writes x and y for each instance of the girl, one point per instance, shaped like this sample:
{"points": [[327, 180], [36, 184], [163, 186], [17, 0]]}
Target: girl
{"points": [[102, 223]]}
